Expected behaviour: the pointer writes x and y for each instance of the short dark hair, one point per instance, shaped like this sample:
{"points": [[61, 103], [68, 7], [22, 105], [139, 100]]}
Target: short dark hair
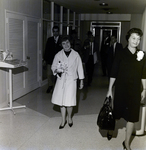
{"points": [[65, 38], [114, 35], [55, 27], [134, 30]]}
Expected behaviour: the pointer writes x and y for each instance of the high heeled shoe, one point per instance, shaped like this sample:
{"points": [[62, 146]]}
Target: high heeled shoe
{"points": [[61, 127], [109, 135], [124, 146], [70, 124]]}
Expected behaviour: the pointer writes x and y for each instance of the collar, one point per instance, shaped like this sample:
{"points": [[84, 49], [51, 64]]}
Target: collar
{"points": [[56, 38]]}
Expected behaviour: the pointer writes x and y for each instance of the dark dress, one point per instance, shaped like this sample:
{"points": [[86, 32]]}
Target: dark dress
{"points": [[128, 72]]}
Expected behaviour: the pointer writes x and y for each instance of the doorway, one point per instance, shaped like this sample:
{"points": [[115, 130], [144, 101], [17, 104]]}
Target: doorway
{"points": [[102, 29]]}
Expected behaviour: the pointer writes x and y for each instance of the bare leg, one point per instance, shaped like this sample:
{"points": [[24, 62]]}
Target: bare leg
{"points": [[63, 113], [129, 131], [69, 111]]}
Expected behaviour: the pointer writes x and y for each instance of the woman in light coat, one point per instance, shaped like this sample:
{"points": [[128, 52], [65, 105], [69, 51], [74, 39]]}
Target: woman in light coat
{"points": [[67, 66]]}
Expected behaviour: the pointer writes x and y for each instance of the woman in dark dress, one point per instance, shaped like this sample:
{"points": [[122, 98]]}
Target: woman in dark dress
{"points": [[129, 77]]}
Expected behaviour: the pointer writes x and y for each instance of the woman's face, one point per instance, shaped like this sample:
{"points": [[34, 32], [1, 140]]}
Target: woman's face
{"points": [[66, 45], [134, 40]]}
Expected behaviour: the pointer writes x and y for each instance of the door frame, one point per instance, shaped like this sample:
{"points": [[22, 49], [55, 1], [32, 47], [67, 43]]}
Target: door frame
{"points": [[105, 26]]}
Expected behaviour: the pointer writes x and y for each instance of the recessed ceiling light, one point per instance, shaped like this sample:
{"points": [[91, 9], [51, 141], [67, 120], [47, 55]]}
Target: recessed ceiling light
{"points": [[109, 12], [103, 4]]}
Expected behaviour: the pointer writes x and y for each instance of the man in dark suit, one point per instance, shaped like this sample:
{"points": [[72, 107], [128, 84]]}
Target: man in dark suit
{"points": [[90, 49], [114, 48], [103, 52], [76, 43], [53, 46]]}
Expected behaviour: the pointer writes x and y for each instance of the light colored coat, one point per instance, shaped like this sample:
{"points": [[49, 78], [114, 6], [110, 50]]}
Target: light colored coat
{"points": [[64, 93]]}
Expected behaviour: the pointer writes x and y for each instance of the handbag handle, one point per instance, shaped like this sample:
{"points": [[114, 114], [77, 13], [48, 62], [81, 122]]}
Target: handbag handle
{"points": [[108, 101]]}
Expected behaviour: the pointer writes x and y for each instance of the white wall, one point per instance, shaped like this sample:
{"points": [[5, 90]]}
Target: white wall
{"points": [[136, 20], [2, 23], [144, 30], [106, 17], [27, 7]]}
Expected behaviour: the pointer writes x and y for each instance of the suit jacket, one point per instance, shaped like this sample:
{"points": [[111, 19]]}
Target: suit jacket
{"points": [[104, 47], [76, 44], [87, 49], [51, 49], [111, 54]]}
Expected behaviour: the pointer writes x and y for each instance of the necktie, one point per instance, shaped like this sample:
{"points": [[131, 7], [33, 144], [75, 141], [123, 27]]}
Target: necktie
{"points": [[55, 40]]}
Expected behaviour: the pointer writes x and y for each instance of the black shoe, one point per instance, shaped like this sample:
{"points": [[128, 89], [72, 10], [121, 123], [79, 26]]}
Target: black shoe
{"points": [[50, 88], [124, 146], [61, 127], [109, 136], [70, 124]]}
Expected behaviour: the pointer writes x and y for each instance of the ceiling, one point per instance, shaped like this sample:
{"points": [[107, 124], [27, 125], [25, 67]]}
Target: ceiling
{"points": [[114, 6]]}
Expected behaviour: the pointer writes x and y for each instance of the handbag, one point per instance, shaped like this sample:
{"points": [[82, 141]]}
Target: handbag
{"points": [[105, 119]]}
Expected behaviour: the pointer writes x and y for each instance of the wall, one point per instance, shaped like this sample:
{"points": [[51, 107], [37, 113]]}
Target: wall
{"points": [[2, 15], [85, 27], [136, 20], [27, 7], [125, 26], [107, 17], [143, 47]]}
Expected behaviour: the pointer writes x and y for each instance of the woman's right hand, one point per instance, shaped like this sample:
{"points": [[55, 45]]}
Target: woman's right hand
{"points": [[81, 84], [109, 93], [111, 83], [58, 71]]}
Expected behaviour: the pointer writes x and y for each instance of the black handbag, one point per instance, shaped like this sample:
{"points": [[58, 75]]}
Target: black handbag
{"points": [[105, 119]]}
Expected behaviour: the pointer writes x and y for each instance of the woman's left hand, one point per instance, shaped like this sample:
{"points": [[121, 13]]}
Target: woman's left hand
{"points": [[81, 84]]}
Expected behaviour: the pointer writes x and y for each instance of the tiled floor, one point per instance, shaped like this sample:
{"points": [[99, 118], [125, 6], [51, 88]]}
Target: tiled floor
{"points": [[36, 127]]}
